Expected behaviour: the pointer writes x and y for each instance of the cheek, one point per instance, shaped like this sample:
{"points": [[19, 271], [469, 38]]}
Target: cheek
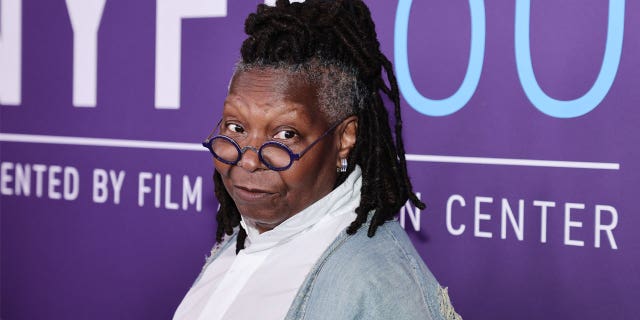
{"points": [[310, 181], [223, 169]]}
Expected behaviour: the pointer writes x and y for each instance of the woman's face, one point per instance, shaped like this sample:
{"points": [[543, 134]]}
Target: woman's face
{"points": [[268, 105]]}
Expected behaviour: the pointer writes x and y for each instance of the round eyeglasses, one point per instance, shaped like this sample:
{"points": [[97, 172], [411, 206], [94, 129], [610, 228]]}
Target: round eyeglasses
{"points": [[274, 154]]}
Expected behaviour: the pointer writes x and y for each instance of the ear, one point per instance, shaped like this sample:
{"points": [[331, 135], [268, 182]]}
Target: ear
{"points": [[346, 137]]}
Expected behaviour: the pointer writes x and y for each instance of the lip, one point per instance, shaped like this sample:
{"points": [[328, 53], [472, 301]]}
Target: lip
{"points": [[252, 194]]}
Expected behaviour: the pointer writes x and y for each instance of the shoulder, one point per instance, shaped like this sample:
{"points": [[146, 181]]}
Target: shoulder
{"points": [[375, 278], [388, 251], [386, 263]]}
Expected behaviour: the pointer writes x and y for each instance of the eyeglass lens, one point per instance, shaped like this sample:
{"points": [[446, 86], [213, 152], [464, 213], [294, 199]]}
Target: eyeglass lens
{"points": [[273, 155]]}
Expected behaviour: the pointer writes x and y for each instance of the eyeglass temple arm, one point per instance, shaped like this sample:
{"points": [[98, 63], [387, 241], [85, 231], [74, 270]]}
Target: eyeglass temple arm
{"points": [[299, 155], [208, 139]]}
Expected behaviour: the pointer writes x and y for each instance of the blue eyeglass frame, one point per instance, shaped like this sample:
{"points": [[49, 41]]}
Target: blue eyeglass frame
{"points": [[208, 143]]}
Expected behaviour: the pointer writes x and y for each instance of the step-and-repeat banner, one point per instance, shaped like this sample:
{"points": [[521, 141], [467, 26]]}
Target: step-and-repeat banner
{"points": [[521, 124]]}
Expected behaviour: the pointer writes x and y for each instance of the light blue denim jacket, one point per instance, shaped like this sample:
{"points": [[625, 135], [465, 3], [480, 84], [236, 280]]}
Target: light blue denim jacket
{"points": [[359, 277]]}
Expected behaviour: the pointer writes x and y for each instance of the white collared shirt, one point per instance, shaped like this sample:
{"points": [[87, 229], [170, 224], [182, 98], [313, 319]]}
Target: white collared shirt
{"points": [[261, 281]]}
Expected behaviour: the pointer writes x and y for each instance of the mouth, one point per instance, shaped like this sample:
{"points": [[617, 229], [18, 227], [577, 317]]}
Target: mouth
{"points": [[252, 194]]}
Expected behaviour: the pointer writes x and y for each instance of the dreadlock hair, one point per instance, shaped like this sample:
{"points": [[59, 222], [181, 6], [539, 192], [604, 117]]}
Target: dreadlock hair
{"points": [[333, 45]]}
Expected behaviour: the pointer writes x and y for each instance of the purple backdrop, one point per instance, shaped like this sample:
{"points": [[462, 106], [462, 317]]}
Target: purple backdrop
{"points": [[513, 237]]}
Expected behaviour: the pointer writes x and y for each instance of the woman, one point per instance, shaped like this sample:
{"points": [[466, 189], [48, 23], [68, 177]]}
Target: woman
{"points": [[308, 178]]}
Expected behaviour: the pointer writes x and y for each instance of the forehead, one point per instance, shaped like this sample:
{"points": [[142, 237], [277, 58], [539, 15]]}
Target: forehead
{"points": [[272, 90]]}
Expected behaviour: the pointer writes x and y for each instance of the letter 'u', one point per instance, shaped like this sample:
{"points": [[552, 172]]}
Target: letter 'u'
{"points": [[591, 99], [460, 98]]}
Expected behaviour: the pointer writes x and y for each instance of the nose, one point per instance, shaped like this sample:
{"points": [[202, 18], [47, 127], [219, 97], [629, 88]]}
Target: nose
{"points": [[249, 161]]}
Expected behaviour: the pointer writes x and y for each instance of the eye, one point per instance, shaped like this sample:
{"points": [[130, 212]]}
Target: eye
{"points": [[285, 135], [235, 128]]}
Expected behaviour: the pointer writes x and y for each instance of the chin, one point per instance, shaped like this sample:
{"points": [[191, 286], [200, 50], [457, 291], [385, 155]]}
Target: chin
{"points": [[262, 218]]}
